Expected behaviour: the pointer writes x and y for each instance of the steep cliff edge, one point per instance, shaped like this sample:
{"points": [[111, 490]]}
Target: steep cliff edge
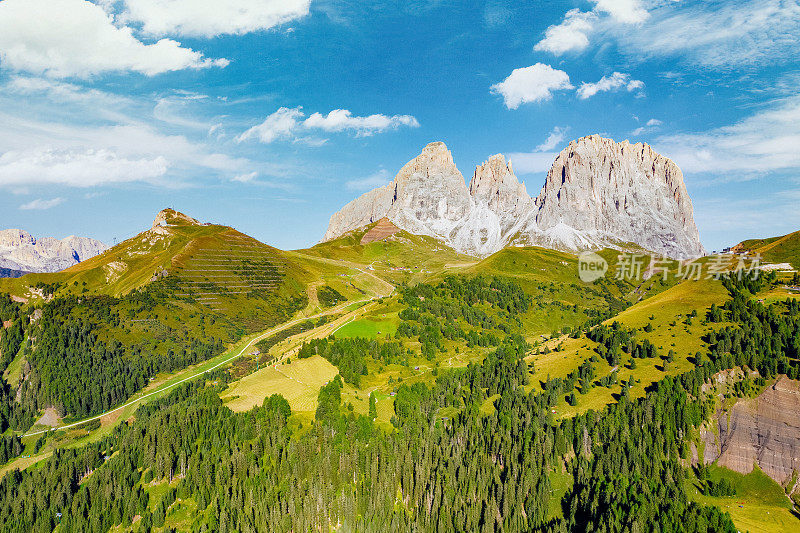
{"points": [[620, 191], [597, 193], [764, 430]]}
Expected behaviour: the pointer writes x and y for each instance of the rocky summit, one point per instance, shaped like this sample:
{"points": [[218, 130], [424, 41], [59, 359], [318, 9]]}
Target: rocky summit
{"points": [[19, 250], [598, 193]]}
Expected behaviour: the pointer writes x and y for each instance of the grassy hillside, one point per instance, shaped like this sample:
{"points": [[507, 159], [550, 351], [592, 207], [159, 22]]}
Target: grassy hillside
{"points": [[785, 249], [563, 301], [401, 257], [412, 355], [759, 505], [663, 319], [172, 296]]}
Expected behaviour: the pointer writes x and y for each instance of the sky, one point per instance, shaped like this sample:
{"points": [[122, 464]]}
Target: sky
{"points": [[269, 115]]}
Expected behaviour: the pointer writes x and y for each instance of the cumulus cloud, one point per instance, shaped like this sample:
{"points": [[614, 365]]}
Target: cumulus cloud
{"points": [[279, 125], [209, 18], [764, 142], [625, 11], [76, 38], [373, 181], [571, 35], [292, 124], [614, 82], [531, 84], [39, 204], [342, 119]]}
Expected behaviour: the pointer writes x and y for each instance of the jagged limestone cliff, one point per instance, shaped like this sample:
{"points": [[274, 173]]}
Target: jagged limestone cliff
{"points": [[19, 250], [598, 193]]}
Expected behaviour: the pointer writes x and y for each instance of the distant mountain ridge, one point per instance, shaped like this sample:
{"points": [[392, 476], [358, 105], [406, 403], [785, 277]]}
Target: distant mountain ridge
{"points": [[21, 251], [598, 193]]}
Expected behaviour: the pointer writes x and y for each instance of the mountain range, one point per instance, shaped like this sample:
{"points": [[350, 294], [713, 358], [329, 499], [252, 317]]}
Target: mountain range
{"points": [[21, 252], [598, 193]]}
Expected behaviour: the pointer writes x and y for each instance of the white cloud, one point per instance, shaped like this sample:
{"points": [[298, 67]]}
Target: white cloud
{"points": [[290, 124], [175, 111], [61, 91], [342, 119], [378, 179], [711, 33], [531, 84], [209, 18], [568, 36], [76, 38], [572, 33], [616, 81], [542, 157], [245, 178], [82, 154], [624, 11], [279, 125], [40, 204], [651, 124], [714, 33], [764, 142], [719, 34], [554, 139], [76, 168]]}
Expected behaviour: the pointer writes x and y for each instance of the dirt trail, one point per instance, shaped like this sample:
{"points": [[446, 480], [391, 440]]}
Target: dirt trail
{"points": [[388, 287]]}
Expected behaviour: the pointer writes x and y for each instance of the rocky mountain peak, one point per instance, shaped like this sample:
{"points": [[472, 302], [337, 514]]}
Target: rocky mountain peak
{"points": [[597, 193], [434, 163], [495, 184], [623, 191], [170, 217], [19, 250], [16, 237]]}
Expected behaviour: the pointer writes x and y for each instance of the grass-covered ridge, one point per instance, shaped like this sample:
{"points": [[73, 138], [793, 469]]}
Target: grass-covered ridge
{"points": [[783, 249], [84, 340]]}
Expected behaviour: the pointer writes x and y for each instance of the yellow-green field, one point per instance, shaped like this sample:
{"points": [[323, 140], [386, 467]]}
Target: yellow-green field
{"points": [[370, 327], [759, 506], [299, 382]]}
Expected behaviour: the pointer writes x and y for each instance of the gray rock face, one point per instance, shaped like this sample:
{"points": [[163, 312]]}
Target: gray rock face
{"points": [[598, 193], [763, 431], [611, 190], [427, 197], [19, 250]]}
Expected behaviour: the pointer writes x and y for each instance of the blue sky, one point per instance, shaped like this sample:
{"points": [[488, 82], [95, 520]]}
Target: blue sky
{"points": [[269, 115]]}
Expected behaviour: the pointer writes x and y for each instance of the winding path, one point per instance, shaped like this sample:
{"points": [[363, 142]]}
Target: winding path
{"points": [[169, 386]]}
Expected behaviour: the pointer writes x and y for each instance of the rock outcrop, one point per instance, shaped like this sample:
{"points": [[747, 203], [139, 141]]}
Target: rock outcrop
{"points": [[19, 250], [763, 431], [380, 231], [609, 190], [598, 193]]}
